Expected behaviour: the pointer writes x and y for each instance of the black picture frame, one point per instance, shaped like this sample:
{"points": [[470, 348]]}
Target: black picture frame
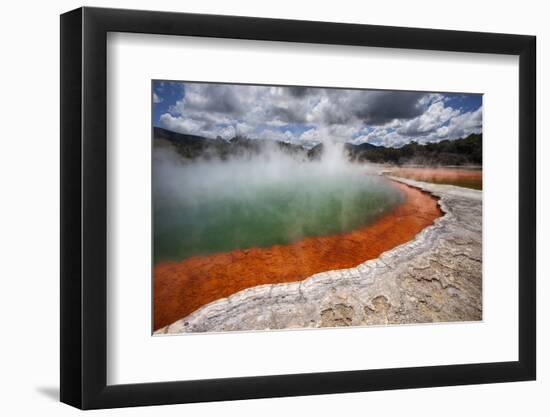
{"points": [[84, 207]]}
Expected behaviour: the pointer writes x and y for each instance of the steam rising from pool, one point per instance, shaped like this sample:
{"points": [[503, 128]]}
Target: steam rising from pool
{"points": [[207, 206]]}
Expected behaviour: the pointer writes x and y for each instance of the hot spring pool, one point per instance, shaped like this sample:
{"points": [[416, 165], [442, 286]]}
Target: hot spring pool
{"points": [[204, 208]]}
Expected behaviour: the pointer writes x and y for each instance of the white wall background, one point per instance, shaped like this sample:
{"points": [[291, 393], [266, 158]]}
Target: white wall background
{"points": [[29, 228]]}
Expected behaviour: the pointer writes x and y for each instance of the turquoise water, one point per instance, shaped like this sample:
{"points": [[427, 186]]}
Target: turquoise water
{"points": [[201, 209]]}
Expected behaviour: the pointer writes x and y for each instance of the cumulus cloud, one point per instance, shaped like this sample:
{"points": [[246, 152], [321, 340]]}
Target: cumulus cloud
{"points": [[435, 116], [312, 115], [462, 125], [156, 98]]}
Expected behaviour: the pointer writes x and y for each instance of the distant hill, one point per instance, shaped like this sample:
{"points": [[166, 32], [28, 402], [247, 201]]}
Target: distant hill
{"points": [[191, 146], [466, 151]]}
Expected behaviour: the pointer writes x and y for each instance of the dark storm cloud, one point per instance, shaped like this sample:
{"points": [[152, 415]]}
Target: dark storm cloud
{"points": [[218, 100], [299, 92], [380, 107], [288, 115], [372, 107]]}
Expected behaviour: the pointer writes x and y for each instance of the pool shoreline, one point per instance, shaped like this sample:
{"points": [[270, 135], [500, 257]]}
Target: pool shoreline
{"points": [[471, 177], [183, 287]]}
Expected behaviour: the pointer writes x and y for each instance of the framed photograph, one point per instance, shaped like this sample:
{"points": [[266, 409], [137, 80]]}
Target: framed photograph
{"points": [[259, 208]]}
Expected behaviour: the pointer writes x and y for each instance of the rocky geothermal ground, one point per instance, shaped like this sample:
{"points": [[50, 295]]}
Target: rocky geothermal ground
{"points": [[436, 277]]}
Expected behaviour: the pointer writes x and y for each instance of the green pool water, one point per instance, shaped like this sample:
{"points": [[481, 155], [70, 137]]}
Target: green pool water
{"points": [[200, 212]]}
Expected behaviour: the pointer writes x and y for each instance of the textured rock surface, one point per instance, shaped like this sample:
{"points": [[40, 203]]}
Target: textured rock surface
{"points": [[436, 277]]}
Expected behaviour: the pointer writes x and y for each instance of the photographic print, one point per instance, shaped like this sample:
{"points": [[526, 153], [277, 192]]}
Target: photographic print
{"points": [[297, 207]]}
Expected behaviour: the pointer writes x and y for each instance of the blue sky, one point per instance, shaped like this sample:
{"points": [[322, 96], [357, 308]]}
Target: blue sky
{"points": [[307, 115]]}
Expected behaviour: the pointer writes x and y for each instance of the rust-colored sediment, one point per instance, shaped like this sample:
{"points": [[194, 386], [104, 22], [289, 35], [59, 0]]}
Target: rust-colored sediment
{"points": [[471, 178], [182, 287]]}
